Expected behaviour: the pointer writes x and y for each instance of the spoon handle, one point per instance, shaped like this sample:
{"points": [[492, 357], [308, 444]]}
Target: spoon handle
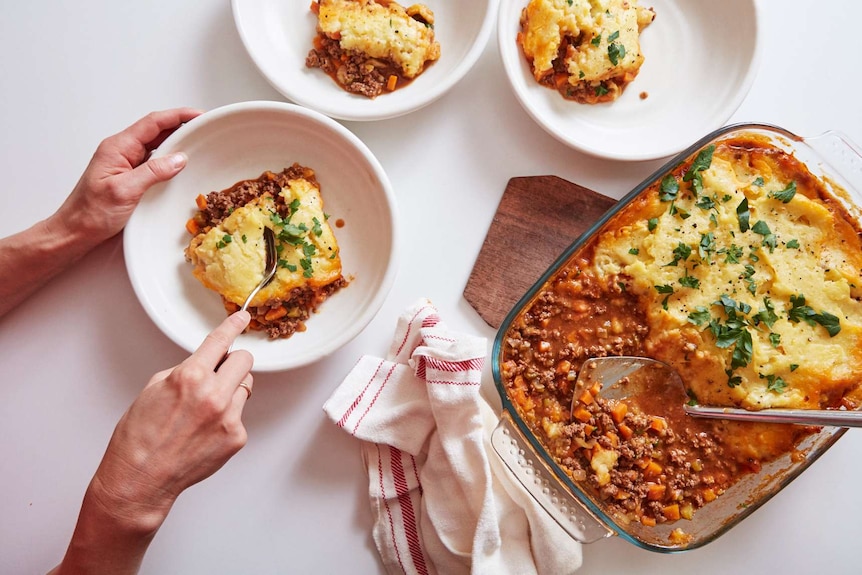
{"points": [[828, 417]]}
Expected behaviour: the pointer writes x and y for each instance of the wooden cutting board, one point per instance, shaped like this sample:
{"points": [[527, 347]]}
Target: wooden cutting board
{"points": [[537, 219]]}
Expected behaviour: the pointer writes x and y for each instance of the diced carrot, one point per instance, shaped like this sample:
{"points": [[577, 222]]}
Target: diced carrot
{"points": [[648, 521], [560, 80], [564, 367], [276, 313], [596, 389], [652, 470], [201, 202], [589, 429], [193, 227], [625, 431], [582, 414], [391, 82], [315, 7], [658, 424], [656, 491], [613, 438], [586, 397], [671, 512], [709, 495], [618, 411]]}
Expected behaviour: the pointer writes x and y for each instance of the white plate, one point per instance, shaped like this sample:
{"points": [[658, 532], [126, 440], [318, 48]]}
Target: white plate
{"points": [[278, 35], [700, 61], [239, 142]]}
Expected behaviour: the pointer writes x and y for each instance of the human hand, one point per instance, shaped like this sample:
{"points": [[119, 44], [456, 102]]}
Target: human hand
{"points": [[118, 175], [183, 427]]}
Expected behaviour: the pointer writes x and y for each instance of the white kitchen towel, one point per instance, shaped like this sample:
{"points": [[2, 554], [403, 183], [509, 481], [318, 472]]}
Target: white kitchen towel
{"points": [[442, 502]]}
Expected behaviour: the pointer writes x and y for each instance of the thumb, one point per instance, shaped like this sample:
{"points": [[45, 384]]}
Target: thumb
{"points": [[156, 170]]}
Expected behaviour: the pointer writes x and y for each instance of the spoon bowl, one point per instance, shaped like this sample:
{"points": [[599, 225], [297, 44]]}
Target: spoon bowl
{"points": [[619, 377], [270, 267]]}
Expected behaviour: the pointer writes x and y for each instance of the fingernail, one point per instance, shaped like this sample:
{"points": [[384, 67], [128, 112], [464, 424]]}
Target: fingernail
{"points": [[177, 161]]}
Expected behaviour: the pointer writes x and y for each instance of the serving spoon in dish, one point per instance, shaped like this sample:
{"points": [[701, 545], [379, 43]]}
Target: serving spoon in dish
{"points": [[619, 377], [269, 268]]}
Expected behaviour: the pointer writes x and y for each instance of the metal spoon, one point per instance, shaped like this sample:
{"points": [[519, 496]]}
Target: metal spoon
{"points": [[624, 375], [268, 271]]}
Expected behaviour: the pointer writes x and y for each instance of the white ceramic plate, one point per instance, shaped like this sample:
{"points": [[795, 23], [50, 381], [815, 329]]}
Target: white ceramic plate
{"points": [[700, 61], [239, 142], [278, 35]]}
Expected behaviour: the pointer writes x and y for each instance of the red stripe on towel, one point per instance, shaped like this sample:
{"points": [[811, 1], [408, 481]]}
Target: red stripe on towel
{"points": [[341, 422], [407, 513], [456, 366], [374, 399], [410, 327], [385, 499]]}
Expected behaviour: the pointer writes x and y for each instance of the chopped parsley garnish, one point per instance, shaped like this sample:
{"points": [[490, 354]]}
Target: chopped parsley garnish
{"points": [[769, 240], [699, 316], [244, 239], [596, 40], [601, 90], [707, 246], [748, 278], [801, 312], [634, 251], [680, 253], [689, 281], [733, 253], [766, 315], [786, 194], [775, 339], [616, 51], [306, 267], [669, 189], [705, 203], [743, 215], [652, 224], [701, 162], [793, 244], [316, 229], [224, 241], [757, 182], [774, 383], [665, 290]]}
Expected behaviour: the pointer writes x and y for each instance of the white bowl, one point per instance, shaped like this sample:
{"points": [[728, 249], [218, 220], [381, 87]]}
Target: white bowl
{"points": [[700, 61], [239, 142], [278, 35]]}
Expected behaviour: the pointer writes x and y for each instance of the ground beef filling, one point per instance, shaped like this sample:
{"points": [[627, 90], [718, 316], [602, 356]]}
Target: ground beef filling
{"points": [[278, 318], [646, 461], [354, 71]]}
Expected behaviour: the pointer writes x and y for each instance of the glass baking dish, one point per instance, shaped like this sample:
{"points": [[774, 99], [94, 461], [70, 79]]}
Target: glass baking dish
{"points": [[837, 162]]}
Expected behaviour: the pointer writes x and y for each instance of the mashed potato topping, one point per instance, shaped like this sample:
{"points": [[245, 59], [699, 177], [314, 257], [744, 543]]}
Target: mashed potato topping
{"points": [[751, 282], [235, 267], [589, 50], [228, 249]]}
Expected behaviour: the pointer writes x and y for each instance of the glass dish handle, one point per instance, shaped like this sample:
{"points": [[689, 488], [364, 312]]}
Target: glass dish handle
{"points": [[542, 484], [843, 156]]}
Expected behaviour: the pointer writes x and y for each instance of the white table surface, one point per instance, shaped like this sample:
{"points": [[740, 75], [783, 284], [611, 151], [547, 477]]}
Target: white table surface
{"points": [[293, 501]]}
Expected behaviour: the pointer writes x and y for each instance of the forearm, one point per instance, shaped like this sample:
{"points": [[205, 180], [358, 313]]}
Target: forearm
{"points": [[111, 536], [29, 259]]}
